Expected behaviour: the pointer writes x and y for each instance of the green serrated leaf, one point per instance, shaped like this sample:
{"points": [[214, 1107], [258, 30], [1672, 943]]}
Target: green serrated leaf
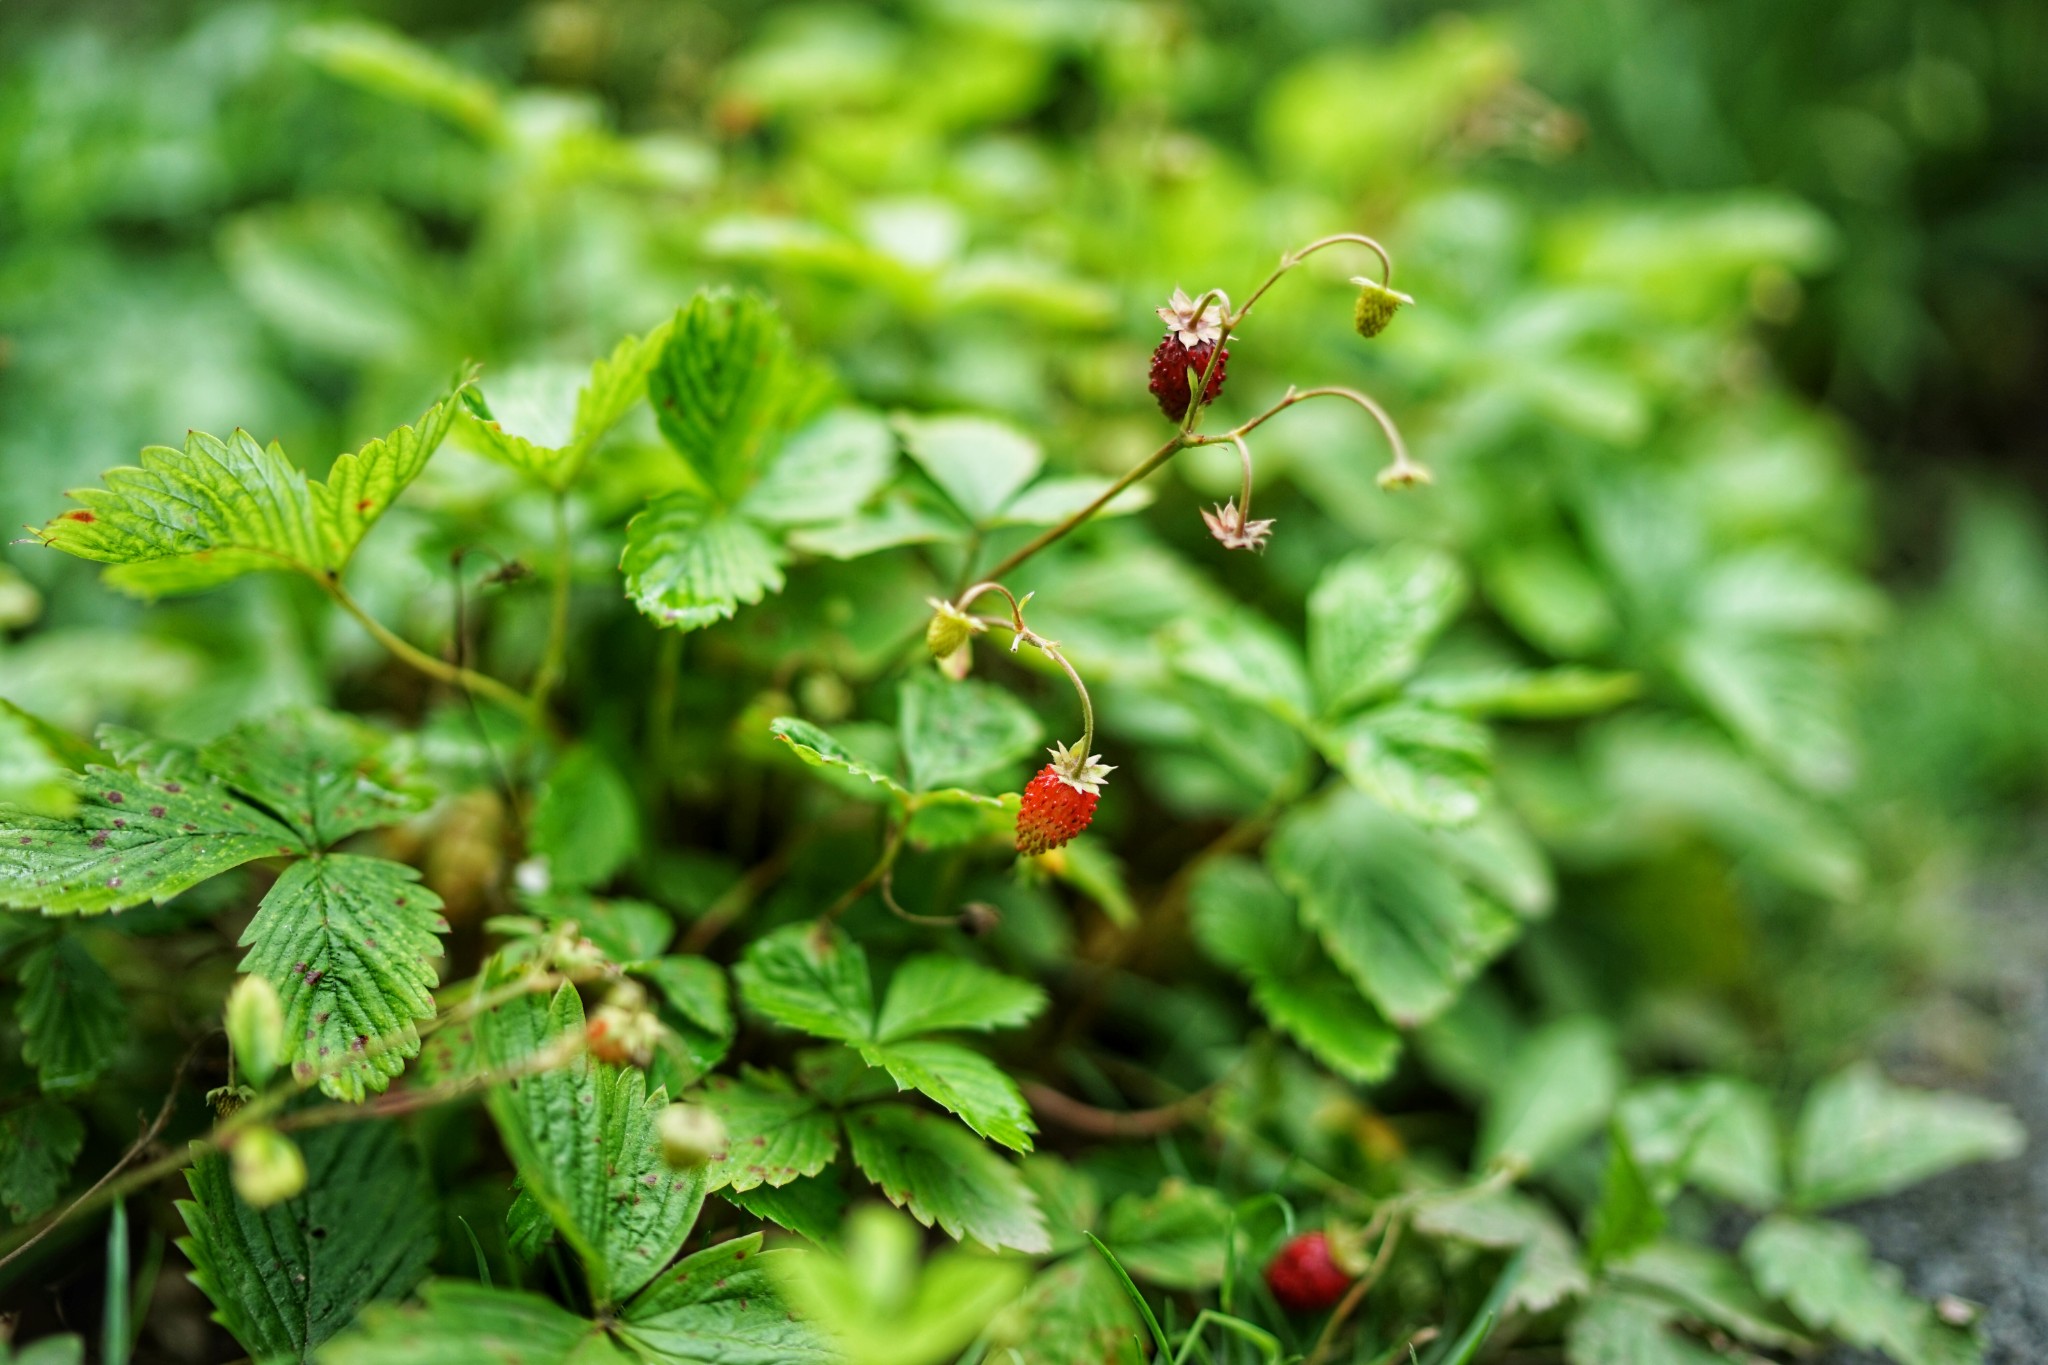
{"points": [[937, 992], [581, 1135], [459, 1322], [810, 977], [819, 749], [72, 1017], [979, 462], [727, 388], [955, 732], [1391, 915], [1710, 1286], [825, 472], [546, 420], [284, 1279], [135, 837], [1075, 1310], [1372, 617], [809, 1208], [964, 1082], [1505, 1219], [689, 563], [721, 1306], [1860, 1136], [326, 775], [586, 823], [1246, 657], [192, 519], [1429, 765], [350, 943], [38, 1143], [943, 1174], [1825, 1274], [1617, 1328], [774, 1133]]}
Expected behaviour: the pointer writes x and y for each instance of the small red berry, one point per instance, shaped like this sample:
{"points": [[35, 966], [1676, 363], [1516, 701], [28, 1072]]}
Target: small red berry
{"points": [[1060, 801], [1304, 1277], [1177, 368]]}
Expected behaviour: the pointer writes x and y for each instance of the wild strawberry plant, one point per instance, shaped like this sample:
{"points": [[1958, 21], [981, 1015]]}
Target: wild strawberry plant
{"points": [[820, 807]]}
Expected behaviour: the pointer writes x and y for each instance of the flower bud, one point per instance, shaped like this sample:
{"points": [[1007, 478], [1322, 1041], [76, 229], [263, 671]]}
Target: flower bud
{"points": [[623, 1031], [266, 1167], [691, 1135], [1376, 306], [256, 1028], [950, 629]]}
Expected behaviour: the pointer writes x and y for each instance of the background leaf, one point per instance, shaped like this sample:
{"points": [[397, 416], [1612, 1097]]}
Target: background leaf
{"points": [[943, 1174]]}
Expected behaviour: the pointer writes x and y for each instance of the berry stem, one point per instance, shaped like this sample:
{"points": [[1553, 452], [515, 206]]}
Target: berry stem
{"points": [[1403, 470], [1293, 258], [1023, 634], [1130, 476]]}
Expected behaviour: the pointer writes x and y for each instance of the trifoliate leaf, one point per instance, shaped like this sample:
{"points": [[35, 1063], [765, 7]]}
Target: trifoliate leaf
{"points": [[1558, 1093], [936, 992], [71, 1014], [1860, 1136], [460, 1322], [690, 564], [775, 1134], [1431, 766], [943, 1174], [1372, 617], [1176, 1236], [581, 1134], [285, 1279], [38, 1143], [1824, 1273], [955, 732], [350, 943], [810, 977], [980, 463], [728, 387], [326, 775], [135, 836], [1392, 916], [821, 750], [586, 823], [722, 1306], [964, 1082], [192, 519]]}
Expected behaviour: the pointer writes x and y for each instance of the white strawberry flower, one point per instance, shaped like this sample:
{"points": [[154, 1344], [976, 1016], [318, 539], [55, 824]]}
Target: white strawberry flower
{"points": [[1083, 771], [1192, 329]]}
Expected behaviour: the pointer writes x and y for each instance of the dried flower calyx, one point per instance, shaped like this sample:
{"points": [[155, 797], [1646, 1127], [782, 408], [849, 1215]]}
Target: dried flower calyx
{"points": [[1235, 531]]}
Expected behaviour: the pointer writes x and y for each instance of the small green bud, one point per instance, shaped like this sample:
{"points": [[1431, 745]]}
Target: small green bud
{"points": [[950, 629], [691, 1135], [256, 1028], [1376, 307], [266, 1167]]}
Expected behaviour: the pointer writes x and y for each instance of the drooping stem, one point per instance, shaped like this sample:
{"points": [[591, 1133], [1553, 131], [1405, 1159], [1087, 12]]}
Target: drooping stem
{"points": [[1403, 470], [1130, 476], [1244, 497], [468, 679], [554, 661], [1024, 635], [891, 846], [1300, 254]]}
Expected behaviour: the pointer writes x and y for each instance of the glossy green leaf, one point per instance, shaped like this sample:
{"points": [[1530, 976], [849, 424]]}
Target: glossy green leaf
{"points": [[1373, 617], [774, 1133], [721, 1306], [937, 992], [326, 775], [1174, 1237], [585, 823], [38, 1143], [350, 944], [1559, 1091], [812, 1208], [690, 564], [1431, 766], [819, 749], [286, 1278], [945, 1175], [979, 462], [581, 1134], [826, 472], [1390, 914], [546, 421], [955, 732], [1528, 694], [810, 977], [1712, 1287], [961, 1080], [458, 1322]]}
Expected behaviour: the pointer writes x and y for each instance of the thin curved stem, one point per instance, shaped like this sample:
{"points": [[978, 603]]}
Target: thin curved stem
{"points": [[1403, 470], [1130, 476], [1300, 254], [888, 890], [468, 679], [891, 846], [1244, 497], [1023, 634]]}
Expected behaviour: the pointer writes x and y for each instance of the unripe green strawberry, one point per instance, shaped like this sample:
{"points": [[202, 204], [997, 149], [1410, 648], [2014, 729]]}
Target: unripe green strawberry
{"points": [[691, 1135], [266, 1167], [1375, 307], [950, 629], [256, 1028]]}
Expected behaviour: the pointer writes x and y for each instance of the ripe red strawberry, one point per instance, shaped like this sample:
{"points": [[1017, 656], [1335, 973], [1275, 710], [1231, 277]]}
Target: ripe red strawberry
{"points": [[1060, 801], [1304, 1277], [1175, 370]]}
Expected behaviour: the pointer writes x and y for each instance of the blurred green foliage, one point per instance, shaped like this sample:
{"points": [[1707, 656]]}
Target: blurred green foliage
{"points": [[1728, 340]]}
